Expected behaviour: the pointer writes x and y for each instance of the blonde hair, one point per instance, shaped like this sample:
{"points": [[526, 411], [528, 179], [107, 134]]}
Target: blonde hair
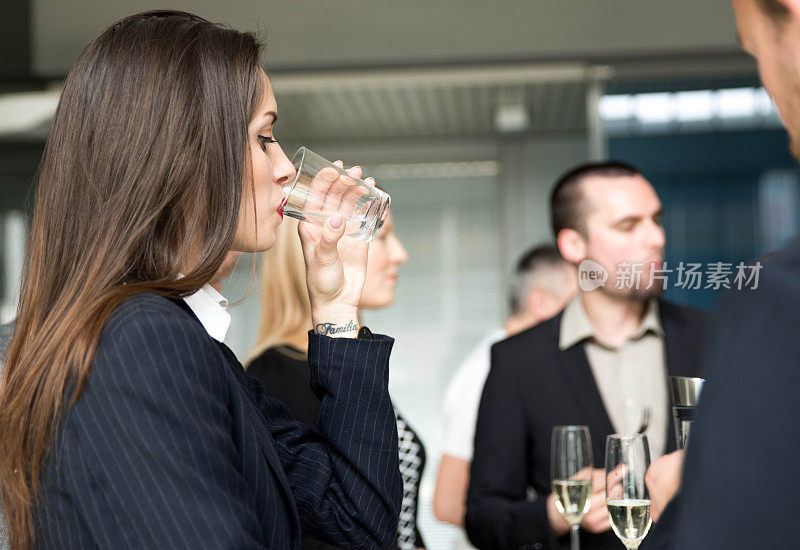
{"points": [[285, 306]]}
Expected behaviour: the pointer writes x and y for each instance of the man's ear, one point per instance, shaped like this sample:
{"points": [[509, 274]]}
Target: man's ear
{"points": [[572, 246], [535, 300], [793, 6]]}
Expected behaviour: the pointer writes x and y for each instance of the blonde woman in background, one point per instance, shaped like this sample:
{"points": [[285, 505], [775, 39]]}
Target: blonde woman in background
{"points": [[279, 358]]}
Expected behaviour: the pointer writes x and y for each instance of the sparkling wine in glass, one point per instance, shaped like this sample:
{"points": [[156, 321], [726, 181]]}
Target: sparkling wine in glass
{"points": [[571, 466], [627, 499]]}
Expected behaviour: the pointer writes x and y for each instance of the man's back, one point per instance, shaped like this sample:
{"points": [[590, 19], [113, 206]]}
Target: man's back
{"points": [[740, 475]]}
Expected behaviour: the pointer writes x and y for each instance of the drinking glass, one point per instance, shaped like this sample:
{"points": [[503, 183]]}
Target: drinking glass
{"points": [[321, 189], [571, 466], [627, 499]]}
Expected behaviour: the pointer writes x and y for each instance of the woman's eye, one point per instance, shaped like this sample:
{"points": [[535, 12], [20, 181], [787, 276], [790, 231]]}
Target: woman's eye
{"points": [[263, 140]]}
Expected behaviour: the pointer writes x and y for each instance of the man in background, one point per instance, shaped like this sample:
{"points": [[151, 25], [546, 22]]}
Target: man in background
{"points": [[541, 285], [601, 363]]}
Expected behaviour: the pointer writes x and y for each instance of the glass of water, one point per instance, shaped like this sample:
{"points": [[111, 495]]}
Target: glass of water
{"points": [[627, 499], [321, 189], [571, 466]]}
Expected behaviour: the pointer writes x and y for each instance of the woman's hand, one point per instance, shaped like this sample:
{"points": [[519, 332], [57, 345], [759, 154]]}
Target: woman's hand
{"points": [[335, 272]]}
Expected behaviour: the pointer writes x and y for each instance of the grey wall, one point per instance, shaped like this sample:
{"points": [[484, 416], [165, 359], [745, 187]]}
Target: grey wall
{"points": [[531, 165], [14, 40], [18, 164], [314, 34]]}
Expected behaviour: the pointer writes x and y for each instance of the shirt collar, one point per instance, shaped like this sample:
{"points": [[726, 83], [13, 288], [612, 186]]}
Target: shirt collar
{"points": [[575, 325], [210, 307], [651, 321]]}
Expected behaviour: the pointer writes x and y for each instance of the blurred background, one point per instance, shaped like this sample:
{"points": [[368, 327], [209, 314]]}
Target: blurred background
{"points": [[465, 112]]}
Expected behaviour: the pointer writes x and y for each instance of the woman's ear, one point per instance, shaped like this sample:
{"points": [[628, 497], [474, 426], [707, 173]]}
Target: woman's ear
{"points": [[572, 246]]}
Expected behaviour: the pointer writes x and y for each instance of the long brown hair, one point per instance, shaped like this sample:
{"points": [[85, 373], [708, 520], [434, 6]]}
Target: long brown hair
{"points": [[141, 180]]}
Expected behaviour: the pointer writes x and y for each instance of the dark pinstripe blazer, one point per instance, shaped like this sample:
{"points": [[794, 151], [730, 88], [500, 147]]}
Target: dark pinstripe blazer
{"points": [[172, 445]]}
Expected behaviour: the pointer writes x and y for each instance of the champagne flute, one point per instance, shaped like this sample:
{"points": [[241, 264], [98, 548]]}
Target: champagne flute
{"points": [[571, 466], [627, 499]]}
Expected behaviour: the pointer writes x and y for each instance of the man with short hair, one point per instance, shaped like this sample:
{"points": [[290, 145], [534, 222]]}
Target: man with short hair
{"points": [[601, 363], [541, 285], [740, 482]]}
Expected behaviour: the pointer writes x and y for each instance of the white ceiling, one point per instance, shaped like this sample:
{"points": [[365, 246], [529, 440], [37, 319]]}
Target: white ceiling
{"points": [[442, 102], [399, 103], [306, 34], [407, 103], [385, 69]]}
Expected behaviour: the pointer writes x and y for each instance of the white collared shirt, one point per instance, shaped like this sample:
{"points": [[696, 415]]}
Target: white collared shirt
{"points": [[211, 308]]}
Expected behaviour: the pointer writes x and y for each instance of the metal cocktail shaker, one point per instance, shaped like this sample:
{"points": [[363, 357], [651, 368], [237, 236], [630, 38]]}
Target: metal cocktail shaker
{"points": [[685, 393]]}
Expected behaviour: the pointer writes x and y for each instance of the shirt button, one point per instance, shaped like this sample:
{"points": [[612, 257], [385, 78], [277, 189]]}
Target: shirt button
{"points": [[629, 402]]}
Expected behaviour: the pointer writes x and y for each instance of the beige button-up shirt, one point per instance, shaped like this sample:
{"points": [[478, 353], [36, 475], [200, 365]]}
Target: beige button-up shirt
{"points": [[629, 377]]}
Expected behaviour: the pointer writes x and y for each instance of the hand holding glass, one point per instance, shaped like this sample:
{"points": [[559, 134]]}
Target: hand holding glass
{"points": [[322, 188], [571, 465], [627, 499]]}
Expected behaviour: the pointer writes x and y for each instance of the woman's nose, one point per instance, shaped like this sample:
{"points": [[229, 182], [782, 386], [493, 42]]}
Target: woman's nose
{"points": [[284, 169], [400, 254]]}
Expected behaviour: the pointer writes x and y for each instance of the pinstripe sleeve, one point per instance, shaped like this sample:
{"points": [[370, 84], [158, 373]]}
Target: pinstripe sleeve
{"points": [[347, 485], [148, 445]]}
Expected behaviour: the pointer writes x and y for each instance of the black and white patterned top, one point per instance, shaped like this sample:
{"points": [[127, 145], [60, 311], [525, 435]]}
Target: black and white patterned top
{"points": [[412, 461]]}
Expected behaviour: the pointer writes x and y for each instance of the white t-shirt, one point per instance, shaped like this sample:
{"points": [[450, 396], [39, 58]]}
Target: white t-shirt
{"points": [[463, 396]]}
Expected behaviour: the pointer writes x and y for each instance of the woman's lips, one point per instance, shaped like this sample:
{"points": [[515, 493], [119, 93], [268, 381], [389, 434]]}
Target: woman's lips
{"points": [[280, 207]]}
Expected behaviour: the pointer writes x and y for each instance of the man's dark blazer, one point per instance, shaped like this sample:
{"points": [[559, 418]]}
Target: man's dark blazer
{"points": [[533, 386], [741, 481], [171, 445]]}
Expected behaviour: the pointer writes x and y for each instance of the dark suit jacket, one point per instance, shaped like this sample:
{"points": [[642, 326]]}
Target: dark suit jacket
{"points": [[533, 386], [285, 376], [171, 445], [741, 476]]}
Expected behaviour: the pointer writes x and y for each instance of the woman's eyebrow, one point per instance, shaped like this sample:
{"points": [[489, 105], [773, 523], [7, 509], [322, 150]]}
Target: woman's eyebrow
{"points": [[273, 114]]}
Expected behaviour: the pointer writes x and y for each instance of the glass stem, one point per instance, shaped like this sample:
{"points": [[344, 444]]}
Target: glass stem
{"points": [[575, 537]]}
